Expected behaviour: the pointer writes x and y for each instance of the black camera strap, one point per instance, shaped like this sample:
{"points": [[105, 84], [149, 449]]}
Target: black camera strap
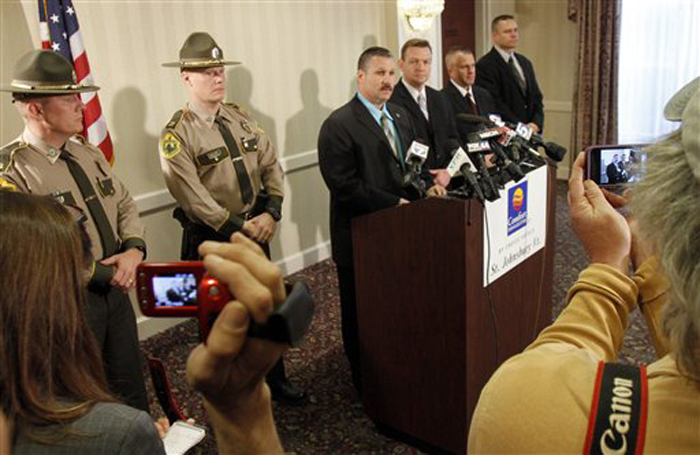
{"points": [[618, 419]]}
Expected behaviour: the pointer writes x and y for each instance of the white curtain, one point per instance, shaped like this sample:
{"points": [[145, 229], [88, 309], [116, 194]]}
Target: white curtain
{"points": [[659, 53]]}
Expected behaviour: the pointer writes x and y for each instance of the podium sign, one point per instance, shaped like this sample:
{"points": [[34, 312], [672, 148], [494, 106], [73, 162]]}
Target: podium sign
{"points": [[515, 226]]}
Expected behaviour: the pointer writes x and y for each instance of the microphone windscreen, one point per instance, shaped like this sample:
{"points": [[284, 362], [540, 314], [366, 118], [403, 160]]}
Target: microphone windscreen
{"points": [[474, 119]]}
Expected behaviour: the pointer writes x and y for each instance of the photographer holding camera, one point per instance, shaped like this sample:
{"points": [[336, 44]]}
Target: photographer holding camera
{"points": [[53, 391], [565, 392]]}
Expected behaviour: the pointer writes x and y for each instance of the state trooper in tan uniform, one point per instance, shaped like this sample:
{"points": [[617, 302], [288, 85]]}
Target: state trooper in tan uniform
{"points": [[221, 168], [50, 158]]}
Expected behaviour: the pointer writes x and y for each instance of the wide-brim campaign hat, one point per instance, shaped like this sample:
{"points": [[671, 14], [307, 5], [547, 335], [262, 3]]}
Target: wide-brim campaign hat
{"points": [[684, 106], [44, 72], [200, 51]]}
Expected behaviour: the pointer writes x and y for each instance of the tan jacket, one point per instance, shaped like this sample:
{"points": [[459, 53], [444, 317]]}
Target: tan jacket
{"points": [[200, 174], [539, 401]]}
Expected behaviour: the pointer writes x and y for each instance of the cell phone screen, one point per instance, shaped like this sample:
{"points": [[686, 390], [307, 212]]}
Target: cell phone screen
{"points": [[175, 290], [615, 165]]}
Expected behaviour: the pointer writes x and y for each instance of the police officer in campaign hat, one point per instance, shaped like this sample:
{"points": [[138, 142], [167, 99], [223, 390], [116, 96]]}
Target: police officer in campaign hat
{"points": [[221, 168], [51, 158]]}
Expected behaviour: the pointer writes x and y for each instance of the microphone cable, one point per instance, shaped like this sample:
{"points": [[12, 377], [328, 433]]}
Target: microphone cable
{"points": [[494, 319]]}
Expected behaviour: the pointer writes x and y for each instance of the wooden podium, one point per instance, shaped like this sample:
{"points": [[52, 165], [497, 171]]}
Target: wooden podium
{"points": [[428, 337]]}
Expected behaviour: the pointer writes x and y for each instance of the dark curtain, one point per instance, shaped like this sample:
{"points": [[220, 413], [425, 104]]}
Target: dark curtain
{"points": [[594, 116]]}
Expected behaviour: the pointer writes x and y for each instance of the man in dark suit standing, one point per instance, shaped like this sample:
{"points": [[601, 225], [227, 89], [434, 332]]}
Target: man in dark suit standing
{"points": [[361, 151], [463, 95], [510, 77], [430, 112]]}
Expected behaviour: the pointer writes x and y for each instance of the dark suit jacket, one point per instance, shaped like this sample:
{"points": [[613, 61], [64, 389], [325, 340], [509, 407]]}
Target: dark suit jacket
{"points": [[359, 168], [493, 74], [435, 133], [484, 102]]}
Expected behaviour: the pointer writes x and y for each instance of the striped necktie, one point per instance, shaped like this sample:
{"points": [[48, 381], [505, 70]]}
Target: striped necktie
{"points": [[519, 79], [389, 132], [423, 104]]}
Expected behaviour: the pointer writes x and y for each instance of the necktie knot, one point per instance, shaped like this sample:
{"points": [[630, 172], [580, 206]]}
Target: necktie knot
{"points": [[64, 154]]}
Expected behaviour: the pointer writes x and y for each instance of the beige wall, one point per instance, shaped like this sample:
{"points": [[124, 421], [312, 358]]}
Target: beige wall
{"points": [[299, 61], [548, 38]]}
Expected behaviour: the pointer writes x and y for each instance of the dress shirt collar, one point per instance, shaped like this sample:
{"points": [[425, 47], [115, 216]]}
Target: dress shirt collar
{"points": [[505, 54], [414, 91], [462, 91], [49, 152], [376, 113]]}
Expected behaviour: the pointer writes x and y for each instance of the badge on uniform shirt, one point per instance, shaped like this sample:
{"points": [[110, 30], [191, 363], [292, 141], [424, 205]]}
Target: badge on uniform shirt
{"points": [[7, 185], [169, 146]]}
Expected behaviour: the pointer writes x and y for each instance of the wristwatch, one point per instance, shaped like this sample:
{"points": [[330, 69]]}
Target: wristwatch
{"points": [[274, 213]]}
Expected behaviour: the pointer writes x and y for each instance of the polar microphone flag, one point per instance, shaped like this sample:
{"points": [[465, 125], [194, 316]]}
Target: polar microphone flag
{"points": [[60, 32]]}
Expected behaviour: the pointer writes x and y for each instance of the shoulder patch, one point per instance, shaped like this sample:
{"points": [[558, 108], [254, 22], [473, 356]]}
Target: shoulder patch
{"points": [[175, 121], [7, 185], [7, 153], [169, 145]]}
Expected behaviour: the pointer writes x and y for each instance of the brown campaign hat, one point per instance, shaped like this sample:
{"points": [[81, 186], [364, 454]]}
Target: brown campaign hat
{"points": [[43, 72], [200, 51]]}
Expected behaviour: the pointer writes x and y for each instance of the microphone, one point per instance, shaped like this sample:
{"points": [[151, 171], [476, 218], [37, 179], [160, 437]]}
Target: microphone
{"points": [[475, 120], [554, 151], [515, 172], [415, 157], [460, 163], [476, 147], [417, 154]]}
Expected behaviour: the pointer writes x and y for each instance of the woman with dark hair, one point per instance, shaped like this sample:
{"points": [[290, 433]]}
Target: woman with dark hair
{"points": [[52, 384], [53, 391]]}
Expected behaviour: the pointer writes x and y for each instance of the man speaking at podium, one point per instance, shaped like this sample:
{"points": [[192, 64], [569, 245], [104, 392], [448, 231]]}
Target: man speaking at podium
{"points": [[361, 150]]}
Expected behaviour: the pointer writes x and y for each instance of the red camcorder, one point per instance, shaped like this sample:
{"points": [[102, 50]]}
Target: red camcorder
{"points": [[184, 289]]}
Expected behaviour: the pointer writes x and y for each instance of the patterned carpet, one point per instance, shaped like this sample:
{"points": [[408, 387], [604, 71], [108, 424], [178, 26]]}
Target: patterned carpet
{"points": [[333, 422]]}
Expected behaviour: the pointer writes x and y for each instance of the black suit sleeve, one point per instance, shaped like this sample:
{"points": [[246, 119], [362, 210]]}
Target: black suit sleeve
{"points": [[337, 161]]}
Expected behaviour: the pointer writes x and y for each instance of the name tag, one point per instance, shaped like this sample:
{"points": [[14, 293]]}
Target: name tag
{"points": [[212, 156]]}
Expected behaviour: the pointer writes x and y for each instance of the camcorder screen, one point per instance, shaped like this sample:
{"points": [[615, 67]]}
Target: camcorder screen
{"points": [[618, 165], [176, 290]]}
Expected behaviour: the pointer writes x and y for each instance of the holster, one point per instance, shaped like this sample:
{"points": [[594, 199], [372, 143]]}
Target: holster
{"points": [[193, 234]]}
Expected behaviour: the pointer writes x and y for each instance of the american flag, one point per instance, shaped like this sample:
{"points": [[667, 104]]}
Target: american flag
{"points": [[59, 31]]}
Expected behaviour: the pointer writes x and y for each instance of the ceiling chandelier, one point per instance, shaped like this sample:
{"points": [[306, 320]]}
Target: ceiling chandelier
{"points": [[419, 14]]}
